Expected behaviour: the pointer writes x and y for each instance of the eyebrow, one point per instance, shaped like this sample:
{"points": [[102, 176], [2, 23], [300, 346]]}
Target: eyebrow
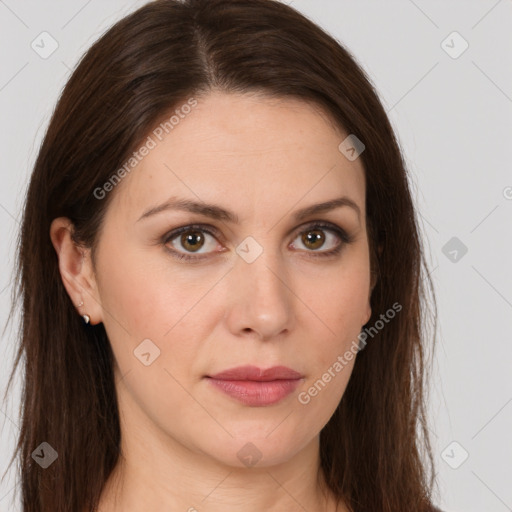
{"points": [[218, 213]]}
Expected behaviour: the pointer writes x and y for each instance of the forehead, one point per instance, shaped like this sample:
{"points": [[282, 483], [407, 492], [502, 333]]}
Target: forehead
{"points": [[244, 151]]}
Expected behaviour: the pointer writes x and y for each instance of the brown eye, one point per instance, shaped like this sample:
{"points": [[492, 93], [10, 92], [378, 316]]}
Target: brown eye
{"points": [[184, 242], [314, 238], [192, 240], [318, 235]]}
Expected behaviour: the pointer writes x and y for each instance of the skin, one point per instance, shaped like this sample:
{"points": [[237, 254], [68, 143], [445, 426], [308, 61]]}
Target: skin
{"points": [[263, 159]]}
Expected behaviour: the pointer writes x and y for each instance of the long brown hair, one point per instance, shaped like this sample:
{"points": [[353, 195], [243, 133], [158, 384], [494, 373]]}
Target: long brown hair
{"points": [[375, 450]]}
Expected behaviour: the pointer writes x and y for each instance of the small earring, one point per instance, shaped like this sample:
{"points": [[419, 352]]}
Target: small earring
{"points": [[86, 318]]}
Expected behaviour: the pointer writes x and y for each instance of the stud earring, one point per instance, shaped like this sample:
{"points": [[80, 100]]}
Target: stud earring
{"points": [[86, 318]]}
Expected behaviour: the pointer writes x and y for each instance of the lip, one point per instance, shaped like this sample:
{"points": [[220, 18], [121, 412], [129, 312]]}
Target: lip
{"points": [[254, 373], [254, 386]]}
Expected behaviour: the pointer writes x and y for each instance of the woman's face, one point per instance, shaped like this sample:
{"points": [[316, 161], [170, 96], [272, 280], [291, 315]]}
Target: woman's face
{"points": [[263, 291]]}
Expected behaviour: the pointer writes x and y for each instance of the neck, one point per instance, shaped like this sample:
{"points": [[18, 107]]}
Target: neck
{"points": [[158, 473]]}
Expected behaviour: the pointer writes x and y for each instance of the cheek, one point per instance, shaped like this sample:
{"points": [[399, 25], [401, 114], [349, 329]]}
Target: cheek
{"points": [[321, 394], [134, 299], [144, 298], [340, 300], [142, 301], [140, 304], [339, 307]]}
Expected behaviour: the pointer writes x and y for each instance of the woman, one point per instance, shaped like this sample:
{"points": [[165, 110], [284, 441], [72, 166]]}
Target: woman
{"points": [[218, 223]]}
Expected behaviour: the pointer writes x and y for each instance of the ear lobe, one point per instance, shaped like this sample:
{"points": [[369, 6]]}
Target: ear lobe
{"points": [[373, 282], [75, 269], [368, 313]]}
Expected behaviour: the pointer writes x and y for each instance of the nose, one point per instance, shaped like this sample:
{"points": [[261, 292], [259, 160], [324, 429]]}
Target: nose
{"points": [[261, 298]]}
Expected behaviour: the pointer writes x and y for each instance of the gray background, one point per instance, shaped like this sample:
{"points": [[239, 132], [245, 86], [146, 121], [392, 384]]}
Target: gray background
{"points": [[453, 117]]}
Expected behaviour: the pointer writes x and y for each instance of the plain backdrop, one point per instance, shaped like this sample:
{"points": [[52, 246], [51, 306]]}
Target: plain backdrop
{"points": [[443, 72]]}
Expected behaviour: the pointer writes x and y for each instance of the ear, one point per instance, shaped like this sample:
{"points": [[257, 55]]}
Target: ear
{"points": [[373, 281], [76, 270], [368, 313], [375, 266]]}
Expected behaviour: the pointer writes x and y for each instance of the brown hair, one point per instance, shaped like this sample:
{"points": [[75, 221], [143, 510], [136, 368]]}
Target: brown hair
{"points": [[375, 449]]}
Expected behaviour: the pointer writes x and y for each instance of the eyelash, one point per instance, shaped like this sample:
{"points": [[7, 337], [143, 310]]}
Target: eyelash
{"points": [[342, 235]]}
